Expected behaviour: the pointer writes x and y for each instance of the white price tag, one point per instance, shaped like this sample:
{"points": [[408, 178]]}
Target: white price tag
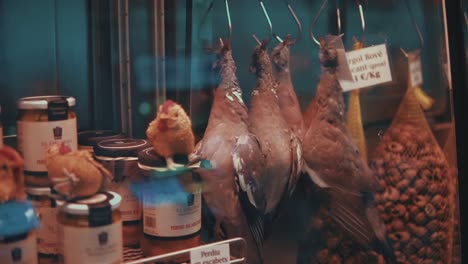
{"points": [[369, 66], [210, 255], [415, 71]]}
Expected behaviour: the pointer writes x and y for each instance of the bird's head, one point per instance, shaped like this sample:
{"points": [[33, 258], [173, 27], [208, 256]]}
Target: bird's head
{"points": [[328, 53], [280, 54], [172, 116]]}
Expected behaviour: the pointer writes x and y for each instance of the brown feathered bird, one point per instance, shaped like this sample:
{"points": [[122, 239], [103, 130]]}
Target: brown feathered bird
{"points": [[11, 175], [74, 174], [171, 133], [333, 162], [288, 101], [279, 143], [232, 186]]}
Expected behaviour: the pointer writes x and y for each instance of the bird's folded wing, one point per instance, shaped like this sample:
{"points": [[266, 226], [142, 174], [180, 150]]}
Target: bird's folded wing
{"points": [[249, 165], [349, 212], [296, 164]]}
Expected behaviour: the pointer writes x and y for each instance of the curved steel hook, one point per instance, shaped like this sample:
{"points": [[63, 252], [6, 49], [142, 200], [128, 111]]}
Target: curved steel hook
{"points": [[314, 22], [208, 10], [416, 26], [265, 13], [296, 19]]}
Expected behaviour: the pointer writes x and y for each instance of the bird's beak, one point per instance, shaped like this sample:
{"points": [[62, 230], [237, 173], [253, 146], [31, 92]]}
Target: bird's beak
{"points": [[164, 116]]}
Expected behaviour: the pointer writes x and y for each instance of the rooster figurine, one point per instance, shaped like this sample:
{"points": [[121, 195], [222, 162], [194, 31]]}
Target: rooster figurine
{"points": [[333, 162], [232, 187], [74, 174], [279, 143], [287, 97], [171, 133], [11, 175]]}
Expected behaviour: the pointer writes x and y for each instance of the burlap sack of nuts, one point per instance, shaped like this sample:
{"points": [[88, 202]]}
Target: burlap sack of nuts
{"points": [[417, 197]]}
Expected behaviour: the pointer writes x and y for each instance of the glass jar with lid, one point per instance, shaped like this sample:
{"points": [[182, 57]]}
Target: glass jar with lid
{"points": [[47, 233], [18, 222], [120, 157], [42, 121], [90, 230], [171, 207], [88, 139]]}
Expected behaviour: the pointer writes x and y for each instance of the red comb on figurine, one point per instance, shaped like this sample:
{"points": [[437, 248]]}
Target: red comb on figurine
{"points": [[165, 107], [64, 149]]}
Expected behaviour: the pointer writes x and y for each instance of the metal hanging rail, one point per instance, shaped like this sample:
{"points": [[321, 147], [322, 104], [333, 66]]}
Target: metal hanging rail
{"points": [[172, 255]]}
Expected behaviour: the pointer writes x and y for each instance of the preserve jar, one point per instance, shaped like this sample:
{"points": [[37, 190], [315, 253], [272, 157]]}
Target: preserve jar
{"points": [[88, 139], [120, 157], [42, 121], [18, 222], [171, 207], [47, 233], [90, 230]]}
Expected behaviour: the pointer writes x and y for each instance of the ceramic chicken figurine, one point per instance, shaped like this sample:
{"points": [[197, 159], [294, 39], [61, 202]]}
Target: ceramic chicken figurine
{"points": [[288, 101], [11, 175], [279, 143], [74, 174], [231, 188], [333, 162], [171, 133]]}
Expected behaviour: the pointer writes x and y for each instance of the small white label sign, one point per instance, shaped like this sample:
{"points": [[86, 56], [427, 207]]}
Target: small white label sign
{"points": [[415, 71], [215, 254], [369, 66]]}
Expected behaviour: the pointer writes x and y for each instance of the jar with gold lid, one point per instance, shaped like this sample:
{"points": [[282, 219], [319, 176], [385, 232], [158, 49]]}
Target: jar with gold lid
{"points": [[120, 157], [90, 230], [18, 222], [42, 121], [171, 207], [88, 139], [47, 233]]}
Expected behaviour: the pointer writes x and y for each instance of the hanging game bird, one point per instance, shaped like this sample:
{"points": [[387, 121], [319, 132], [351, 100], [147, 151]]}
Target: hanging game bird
{"points": [[11, 175], [74, 174], [287, 97], [279, 143], [333, 162], [171, 133], [232, 187]]}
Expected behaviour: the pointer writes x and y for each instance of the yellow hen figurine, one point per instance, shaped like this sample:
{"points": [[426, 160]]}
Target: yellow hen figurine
{"points": [[171, 133]]}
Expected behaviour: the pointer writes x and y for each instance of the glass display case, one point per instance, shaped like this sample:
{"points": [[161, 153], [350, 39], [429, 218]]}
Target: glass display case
{"points": [[238, 131]]}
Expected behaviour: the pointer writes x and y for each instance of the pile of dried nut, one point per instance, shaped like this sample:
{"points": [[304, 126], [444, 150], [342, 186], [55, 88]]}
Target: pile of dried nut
{"points": [[415, 201], [336, 248]]}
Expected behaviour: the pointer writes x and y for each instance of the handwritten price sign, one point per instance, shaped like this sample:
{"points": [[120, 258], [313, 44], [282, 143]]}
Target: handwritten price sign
{"points": [[369, 67], [217, 254]]}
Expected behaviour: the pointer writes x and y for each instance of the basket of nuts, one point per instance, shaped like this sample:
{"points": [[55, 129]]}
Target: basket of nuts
{"points": [[417, 198]]}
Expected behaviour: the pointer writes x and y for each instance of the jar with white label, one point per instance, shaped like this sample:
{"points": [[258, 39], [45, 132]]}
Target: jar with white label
{"points": [[42, 121], [120, 157], [90, 138], [171, 208], [47, 233], [90, 230], [18, 222]]}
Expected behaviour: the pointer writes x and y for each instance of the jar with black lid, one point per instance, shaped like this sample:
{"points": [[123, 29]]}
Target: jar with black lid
{"points": [[171, 206], [18, 222], [88, 139], [120, 157], [42, 121], [90, 230], [47, 234]]}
